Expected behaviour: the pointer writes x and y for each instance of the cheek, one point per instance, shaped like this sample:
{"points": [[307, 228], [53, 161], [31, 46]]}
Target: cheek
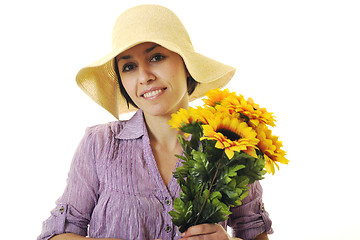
{"points": [[128, 85], [182, 79], [178, 74]]}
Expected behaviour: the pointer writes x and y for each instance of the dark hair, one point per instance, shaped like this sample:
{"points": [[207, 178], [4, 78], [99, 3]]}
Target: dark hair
{"points": [[191, 85], [122, 89]]}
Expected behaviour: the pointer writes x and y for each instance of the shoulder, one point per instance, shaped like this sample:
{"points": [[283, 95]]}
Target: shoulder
{"points": [[104, 131], [100, 141], [121, 129], [106, 138]]}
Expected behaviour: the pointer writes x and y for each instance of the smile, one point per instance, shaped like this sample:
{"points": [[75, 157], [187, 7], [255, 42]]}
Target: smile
{"points": [[153, 93]]}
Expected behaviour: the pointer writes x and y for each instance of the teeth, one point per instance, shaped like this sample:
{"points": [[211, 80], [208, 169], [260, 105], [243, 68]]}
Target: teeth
{"points": [[152, 93]]}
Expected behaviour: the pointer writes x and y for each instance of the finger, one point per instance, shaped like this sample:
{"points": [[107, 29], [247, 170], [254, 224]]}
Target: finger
{"points": [[200, 230], [210, 236]]}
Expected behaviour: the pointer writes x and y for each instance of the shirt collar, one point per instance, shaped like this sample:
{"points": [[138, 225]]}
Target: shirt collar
{"points": [[134, 127]]}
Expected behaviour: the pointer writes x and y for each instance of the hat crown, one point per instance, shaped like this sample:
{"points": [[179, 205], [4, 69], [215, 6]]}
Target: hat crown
{"points": [[149, 23]]}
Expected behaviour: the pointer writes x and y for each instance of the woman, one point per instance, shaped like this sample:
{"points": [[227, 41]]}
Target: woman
{"points": [[120, 183]]}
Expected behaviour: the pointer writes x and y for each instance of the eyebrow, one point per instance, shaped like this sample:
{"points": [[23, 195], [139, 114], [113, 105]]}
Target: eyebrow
{"points": [[148, 50]]}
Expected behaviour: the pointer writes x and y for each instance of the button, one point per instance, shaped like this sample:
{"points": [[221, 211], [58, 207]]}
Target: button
{"points": [[168, 202], [262, 207], [61, 210], [167, 229]]}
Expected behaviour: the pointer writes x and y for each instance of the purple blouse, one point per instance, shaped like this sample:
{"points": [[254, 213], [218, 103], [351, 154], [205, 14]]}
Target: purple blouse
{"points": [[114, 190]]}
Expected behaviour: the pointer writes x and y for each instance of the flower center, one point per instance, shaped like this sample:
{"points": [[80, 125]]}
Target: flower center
{"points": [[229, 134]]}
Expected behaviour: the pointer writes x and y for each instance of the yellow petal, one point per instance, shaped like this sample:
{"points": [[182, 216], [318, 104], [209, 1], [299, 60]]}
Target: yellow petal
{"points": [[219, 145], [229, 153], [251, 152]]}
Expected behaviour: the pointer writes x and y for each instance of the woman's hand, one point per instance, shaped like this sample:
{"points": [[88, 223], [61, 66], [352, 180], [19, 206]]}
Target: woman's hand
{"points": [[206, 231]]}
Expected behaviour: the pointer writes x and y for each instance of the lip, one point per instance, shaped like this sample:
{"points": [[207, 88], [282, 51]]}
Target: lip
{"points": [[152, 89]]}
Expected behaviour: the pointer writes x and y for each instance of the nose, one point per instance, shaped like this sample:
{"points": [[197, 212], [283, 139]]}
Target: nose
{"points": [[145, 74]]}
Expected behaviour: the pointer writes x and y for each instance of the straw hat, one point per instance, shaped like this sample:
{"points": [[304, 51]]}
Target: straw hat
{"points": [[149, 23]]}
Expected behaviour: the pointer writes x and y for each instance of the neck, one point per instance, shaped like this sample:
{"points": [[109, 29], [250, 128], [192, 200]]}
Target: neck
{"points": [[160, 132]]}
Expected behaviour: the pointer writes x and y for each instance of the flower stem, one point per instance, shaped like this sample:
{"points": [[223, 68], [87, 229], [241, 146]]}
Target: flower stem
{"points": [[202, 187], [207, 195]]}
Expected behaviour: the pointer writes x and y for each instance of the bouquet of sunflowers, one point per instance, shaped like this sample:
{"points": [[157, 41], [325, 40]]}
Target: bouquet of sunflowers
{"points": [[227, 145]]}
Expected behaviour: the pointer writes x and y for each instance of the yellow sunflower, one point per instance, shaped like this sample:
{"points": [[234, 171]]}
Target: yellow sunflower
{"points": [[179, 119], [248, 108], [271, 148], [215, 96], [231, 135], [191, 115]]}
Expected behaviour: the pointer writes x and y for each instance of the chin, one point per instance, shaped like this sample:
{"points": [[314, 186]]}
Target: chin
{"points": [[160, 111], [156, 113]]}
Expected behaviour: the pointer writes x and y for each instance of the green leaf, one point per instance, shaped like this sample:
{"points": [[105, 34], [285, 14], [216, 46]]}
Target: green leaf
{"points": [[181, 157], [254, 167], [199, 167], [214, 211], [214, 195], [182, 213], [214, 154], [182, 171], [192, 128], [185, 144]]}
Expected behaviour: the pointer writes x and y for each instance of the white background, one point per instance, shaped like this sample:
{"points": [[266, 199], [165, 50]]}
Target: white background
{"points": [[299, 59]]}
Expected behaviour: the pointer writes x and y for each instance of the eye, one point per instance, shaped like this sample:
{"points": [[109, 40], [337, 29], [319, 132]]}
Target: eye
{"points": [[157, 57], [128, 67]]}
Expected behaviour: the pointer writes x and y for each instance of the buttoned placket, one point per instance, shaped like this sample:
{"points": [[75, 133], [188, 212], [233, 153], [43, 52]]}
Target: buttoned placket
{"points": [[169, 227], [163, 193]]}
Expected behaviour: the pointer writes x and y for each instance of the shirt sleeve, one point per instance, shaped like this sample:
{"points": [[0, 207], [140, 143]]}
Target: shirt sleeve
{"points": [[250, 218], [73, 209]]}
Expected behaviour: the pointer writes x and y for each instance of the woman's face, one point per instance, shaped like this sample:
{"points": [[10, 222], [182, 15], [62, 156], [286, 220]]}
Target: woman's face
{"points": [[154, 78]]}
